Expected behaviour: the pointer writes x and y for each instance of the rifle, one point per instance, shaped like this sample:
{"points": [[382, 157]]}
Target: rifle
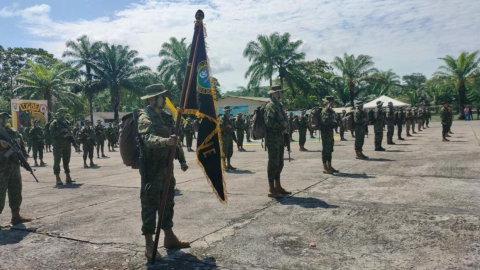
{"points": [[286, 138], [15, 148], [141, 155], [70, 137]]}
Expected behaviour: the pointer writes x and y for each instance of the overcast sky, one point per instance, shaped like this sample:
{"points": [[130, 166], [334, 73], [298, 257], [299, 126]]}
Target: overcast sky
{"points": [[404, 35]]}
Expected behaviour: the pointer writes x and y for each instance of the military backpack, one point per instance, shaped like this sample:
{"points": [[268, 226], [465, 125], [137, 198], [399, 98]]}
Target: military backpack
{"points": [[130, 141], [315, 118], [257, 127]]}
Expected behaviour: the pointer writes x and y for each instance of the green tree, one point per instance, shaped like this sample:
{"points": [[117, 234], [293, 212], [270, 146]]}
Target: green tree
{"points": [[83, 54], [354, 70], [117, 67], [173, 64], [37, 81], [460, 70]]}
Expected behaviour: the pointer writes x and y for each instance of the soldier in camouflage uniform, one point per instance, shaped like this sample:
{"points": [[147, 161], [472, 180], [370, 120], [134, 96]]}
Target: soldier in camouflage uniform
{"points": [[302, 130], [390, 123], [428, 115], [450, 120], [226, 127], [10, 177], [110, 133], [328, 119], [87, 137], [342, 126], [445, 118], [249, 119], [155, 127], [28, 138], [413, 119], [189, 131], [240, 127], [378, 126], [359, 119], [276, 122], [400, 119], [37, 137], [408, 121], [48, 137], [100, 138], [291, 118], [62, 146], [420, 119]]}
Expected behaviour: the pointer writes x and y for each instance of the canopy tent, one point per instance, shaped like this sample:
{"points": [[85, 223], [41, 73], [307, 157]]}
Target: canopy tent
{"points": [[373, 104]]}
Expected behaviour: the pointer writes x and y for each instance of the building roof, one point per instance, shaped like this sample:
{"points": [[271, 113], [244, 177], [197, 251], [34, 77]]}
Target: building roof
{"points": [[107, 115], [385, 100], [261, 99]]}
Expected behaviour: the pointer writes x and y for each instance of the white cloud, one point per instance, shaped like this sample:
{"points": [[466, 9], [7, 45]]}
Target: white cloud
{"points": [[407, 36]]}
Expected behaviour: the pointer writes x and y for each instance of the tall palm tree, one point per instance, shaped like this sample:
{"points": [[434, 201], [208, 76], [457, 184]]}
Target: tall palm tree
{"points": [[460, 70], [354, 70], [262, 55], [117, 67], [173, 64], [83, 54], [39, 82]]}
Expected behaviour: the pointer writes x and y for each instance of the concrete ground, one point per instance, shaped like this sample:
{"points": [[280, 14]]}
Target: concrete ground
{"points": [[415, 206]]}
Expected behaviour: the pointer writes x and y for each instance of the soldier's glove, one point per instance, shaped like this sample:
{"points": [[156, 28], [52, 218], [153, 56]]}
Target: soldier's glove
{"points": [[172, 140], [184, 167], [3, 144]]}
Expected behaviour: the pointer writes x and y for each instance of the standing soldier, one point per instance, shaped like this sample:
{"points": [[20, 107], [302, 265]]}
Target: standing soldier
{"points": [[240, 127], [100, 138], [390, 123], [110, 133], [155, 127], [189, 131], [342, 126], [408, 121], [291, 118], [28, 138], [37, 137], [400, 118], [226, 127], [276, 122], [413, 119], [428, 115], [247, 130], [326, 129], [10, 177], [302, 130], [62, 139], [87, 137], [48, 137], [450, 120], [445, 116], [420, 118], [360, 119], [378, 126]]}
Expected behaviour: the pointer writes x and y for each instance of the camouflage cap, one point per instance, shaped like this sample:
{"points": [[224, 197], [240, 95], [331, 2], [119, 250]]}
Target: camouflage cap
{"points": [[99, 121], [275, 89], [153, 91], [390, 103], [379, 103]]}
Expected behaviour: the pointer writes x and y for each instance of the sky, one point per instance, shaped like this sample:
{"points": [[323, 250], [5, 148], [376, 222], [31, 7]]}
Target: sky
{"points": [[406, 36]]}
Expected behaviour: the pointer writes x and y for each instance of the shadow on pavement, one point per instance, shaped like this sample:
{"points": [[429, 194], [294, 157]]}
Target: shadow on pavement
{"points": [[354, 175], [237, 171], [180, 260], [397, 151], [379, 159], [306, 202], [64, 186], [13, 236]]}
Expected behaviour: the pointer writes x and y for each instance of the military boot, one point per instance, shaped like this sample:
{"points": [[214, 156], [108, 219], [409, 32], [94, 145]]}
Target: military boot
{"points": [[149, 244], [365, 157], [343, 139], [326, 169], [229, 166], [68, 179], [408, 134], [42, 163], [358, 155], [329, 164], [445, 139], [172, 241], [17, 218], [92, 165], [280, 189], [304, 149], [36, 163], [85, 164], [273, 193], [58, 180]]}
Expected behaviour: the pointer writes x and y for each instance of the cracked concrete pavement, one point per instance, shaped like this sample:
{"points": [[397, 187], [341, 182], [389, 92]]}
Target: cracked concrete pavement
{"points": [[414, 206]]}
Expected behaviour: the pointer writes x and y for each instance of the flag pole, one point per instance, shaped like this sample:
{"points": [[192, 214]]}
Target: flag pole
{"points": [[199, 15]]}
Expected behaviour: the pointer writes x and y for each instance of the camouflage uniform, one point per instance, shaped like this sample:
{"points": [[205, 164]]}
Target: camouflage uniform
{"points": [[378, 127], [360, 118], [390, 124], [445, 116], [189, 131], [240, 127], [291, 118], [400, 119], [428, 116], [100, 139], [302, 130], [48, 137], [37, 138], [154, 130], [414, 119], [420, 119], [276, 122], [110, 133], [328, 119], [226, 127], [10, 177], [342, 127], [87, 136], [62, 146]]}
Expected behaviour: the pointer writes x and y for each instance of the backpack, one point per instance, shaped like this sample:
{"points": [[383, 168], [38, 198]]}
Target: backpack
{"points": [[314, 118], [257, 126], [348, 121], [129, 145]]}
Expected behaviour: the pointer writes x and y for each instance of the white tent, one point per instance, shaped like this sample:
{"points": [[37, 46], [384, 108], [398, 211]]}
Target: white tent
{"points": [[373, 104]]}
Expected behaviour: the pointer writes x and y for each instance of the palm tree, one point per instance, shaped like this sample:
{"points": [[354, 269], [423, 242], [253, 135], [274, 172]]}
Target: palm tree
{"points": [[83, 54], [117, 67], [354, 70], [262, 55], [173, 64], [39, 82], [339, 90], [460, 70]]}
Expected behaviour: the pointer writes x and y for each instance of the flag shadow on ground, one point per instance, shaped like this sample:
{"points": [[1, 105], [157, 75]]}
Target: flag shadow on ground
{"points": [[307, 202]]}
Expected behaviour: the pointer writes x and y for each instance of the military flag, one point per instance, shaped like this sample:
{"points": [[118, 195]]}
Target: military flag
{"points": [[200, 99]]}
